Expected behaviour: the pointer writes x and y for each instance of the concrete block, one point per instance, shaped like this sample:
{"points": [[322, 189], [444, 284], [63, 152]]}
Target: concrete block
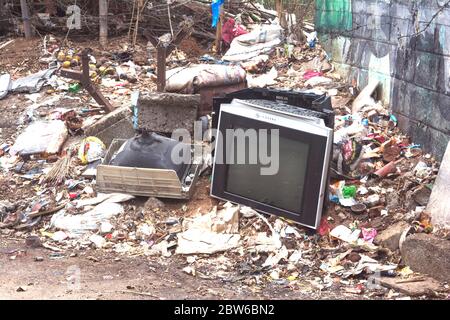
{"points": [[107, 121], [427, 254], [390, 238], [439, 203], [123, 129], [166, 112], [114, 125]]}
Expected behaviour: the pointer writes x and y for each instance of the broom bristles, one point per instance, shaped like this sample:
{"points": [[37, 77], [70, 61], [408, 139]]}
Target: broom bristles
{"points": [[59, 171]]}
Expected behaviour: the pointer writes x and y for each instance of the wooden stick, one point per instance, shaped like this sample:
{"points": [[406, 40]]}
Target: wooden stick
{"points": [[3, 45], [219, 31], [139, 293], [411, 280], [43, 213], [131, 21]]}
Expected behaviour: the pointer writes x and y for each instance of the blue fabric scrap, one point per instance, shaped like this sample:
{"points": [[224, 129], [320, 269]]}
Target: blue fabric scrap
{"points": [[215, 8]]}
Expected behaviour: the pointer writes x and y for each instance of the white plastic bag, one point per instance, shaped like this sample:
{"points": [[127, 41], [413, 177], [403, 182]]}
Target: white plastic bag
{"points": [[41, 137], [77, 225]]}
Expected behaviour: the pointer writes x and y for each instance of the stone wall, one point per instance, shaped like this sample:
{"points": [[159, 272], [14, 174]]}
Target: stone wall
{"points": [[381, 39]]}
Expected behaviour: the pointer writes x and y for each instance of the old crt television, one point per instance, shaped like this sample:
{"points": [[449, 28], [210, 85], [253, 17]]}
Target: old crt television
{"points": [[273, 157]]}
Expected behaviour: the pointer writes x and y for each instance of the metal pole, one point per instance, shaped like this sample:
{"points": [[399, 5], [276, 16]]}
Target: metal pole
{"points": [[26, 18]]}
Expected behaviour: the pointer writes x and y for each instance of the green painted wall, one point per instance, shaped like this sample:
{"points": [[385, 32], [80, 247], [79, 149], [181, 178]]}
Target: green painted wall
{"points": [[334, 15]]}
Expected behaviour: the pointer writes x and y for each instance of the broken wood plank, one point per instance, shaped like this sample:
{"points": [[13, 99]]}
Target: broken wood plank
{"points": [[413, 289], [46, 212], [5, 44]]}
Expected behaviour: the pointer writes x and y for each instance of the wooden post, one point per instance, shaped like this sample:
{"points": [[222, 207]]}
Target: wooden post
{"points": [[103, 20], [280, 13], [26, 18], [161, 67], [163, 50], [279, 8], [219, 31]]}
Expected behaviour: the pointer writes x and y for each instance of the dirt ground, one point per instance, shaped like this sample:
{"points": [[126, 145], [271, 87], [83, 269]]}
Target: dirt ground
{"points": [[110, 278]]}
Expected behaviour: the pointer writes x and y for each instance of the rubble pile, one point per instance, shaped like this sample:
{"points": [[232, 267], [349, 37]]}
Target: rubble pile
{"points": [[380, 179]]}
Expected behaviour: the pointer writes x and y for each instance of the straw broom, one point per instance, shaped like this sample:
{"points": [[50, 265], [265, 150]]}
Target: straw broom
{"points": [[60, 170]]}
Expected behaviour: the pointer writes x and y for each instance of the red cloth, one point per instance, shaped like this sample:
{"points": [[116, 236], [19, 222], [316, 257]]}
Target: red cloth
{"points": [[324, 227], [311, 74], [231, 30]]}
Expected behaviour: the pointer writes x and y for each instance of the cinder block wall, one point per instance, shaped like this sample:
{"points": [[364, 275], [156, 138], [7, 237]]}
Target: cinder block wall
{"points": [[378, 39]]}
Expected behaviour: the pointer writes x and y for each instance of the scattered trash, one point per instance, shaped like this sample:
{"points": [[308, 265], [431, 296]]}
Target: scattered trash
{"points": [[210, 233], [90, 150], [97, 240], [261, 40], [231, 30], [77, 225], [32, 83], [315, 81], [262, 81], [358, 208], [345, 234], [190, 79], [421, 170], [369, 234]]}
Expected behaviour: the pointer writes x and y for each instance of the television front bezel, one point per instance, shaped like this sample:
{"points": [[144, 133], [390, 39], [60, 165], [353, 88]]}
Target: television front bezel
{"points": [[318, 137]]}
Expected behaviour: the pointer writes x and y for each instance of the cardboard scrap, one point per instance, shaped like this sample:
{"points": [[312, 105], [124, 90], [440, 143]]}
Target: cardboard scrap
{"points": [[213, 232]]}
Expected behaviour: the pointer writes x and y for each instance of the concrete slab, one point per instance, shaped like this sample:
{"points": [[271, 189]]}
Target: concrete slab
{"points": [[427, 254], [439, 203]]}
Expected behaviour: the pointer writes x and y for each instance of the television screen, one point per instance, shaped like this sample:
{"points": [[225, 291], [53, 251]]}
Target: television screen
{"points": [[288, 176], [246, 179]]}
